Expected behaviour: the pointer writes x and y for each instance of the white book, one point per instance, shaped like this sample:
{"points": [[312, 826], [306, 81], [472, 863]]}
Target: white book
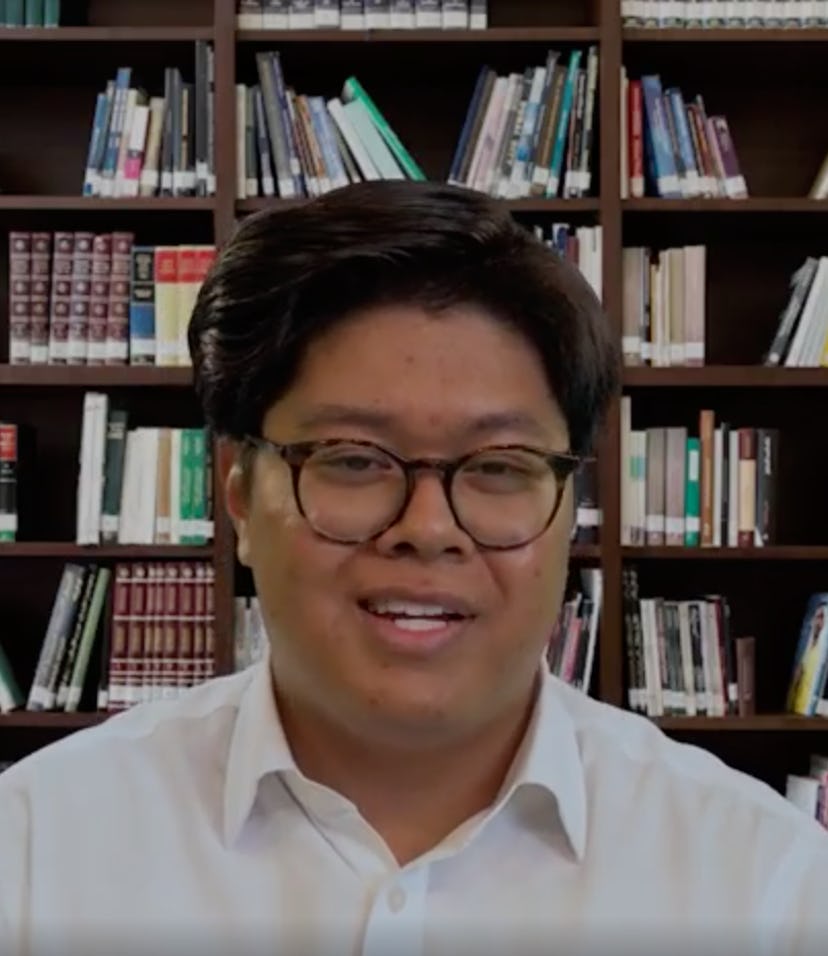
{"points": [[326, 14], [375, 145], [275, 14], [129, 488], [455, 14], [301, 15], [249, 15], [349, 134], [626, 471], [378, 14], [402, 15]]}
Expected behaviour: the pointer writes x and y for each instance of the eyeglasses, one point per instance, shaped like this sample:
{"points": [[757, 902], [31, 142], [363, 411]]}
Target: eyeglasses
{"points": [[351, 492]]}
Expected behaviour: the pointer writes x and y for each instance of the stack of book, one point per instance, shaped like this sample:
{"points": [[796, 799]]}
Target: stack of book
{"points": [[810, 792], [83, 298], [801, 337], [671, 148], [17, 490], [724, 13], [664, 305], [713, 489], [142, 485], [570, 653], [153, 626], [291, 145], [250, 637], [531, 133], [683, 658], [144, 145], [361, 14], [30, 13], [582, 245]]}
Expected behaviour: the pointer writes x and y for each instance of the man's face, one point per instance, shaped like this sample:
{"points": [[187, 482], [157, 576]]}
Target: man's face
{"points": [[421, 386]]}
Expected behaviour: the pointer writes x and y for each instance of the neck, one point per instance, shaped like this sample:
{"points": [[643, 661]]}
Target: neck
{"points": [[412, 797]]}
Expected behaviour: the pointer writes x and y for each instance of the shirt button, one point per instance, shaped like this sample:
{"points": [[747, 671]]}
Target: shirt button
{"points": [[396, 899]]}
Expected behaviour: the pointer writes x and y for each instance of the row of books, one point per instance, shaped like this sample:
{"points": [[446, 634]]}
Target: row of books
{"points": [[682, 656], [151, 625], [671, 148], [83, 298], [582, 245], [570, 653], [531, 133], [663, 305], [361, 14], [724, 13], [148, 145], [713, 489], [145, 485], [291, 145], [29, 13], [801, 338], [809, 791]]}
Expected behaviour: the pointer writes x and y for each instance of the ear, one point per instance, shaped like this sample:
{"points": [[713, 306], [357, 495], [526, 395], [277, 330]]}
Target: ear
{"points": [[236, 487]]}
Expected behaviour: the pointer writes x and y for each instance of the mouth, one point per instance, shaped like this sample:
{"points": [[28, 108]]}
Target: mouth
{"points": [[422, 622]]}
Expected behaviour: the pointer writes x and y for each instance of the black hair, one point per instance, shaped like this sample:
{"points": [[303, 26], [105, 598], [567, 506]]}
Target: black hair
{"points": [[290, 273]]}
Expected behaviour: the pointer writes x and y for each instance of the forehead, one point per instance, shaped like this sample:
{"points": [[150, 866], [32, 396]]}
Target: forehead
{"points": [[420, 371]]}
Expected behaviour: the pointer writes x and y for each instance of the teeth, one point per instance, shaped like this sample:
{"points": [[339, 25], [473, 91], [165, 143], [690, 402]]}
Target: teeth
{"points": [[419, 624], [408, 609]]}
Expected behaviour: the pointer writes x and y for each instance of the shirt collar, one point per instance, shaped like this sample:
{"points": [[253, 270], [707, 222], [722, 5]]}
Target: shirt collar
{"points": [[549, 756]]}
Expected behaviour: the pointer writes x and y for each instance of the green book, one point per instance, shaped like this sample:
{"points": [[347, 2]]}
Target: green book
{"points": [[185, 481], [2, 13], [198, 468], [51, 13], [34, 13], [353, 90], [692, 495], [14, 13]]}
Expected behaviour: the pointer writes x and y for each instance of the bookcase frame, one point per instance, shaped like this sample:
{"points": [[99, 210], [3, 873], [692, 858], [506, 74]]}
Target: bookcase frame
{"points": [[512, 22]]}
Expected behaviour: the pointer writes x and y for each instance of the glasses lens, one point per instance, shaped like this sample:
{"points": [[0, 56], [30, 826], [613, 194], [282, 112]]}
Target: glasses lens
{"points": [[350, 492], [504, 498]]}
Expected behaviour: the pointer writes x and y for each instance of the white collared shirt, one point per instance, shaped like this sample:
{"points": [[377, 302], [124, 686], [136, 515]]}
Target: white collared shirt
{"points": [[185, 827]]}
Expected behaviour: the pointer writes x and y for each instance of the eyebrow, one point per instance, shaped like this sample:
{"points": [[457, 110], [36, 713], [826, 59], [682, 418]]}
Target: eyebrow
{"points": [[381, 421]]}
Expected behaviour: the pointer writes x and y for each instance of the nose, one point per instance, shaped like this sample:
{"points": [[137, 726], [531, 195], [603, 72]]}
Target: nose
{"points": [[427, 528]]}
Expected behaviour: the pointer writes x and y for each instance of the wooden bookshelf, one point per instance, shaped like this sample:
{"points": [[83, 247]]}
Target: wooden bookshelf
{"points": [[121, 552], [422, 80]]}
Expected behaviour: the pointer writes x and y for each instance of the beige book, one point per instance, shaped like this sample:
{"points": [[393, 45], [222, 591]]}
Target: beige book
{"points": [[162, 487], [150, 171]]}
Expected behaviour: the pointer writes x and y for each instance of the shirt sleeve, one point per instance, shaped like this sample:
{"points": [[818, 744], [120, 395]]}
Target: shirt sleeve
{"points": [[14, 869]]}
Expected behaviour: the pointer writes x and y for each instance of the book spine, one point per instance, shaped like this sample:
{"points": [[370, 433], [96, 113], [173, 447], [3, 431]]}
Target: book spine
{"points": [[428, 15], [8, 481], [326, 14], [117, 324], [99, 298], [403, 15], [352, 14], [20, 298]]}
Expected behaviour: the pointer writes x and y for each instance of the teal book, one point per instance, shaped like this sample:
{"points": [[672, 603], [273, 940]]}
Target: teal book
{"points": [[692, 494], [51, 13], [34, 13], [14, 13]]}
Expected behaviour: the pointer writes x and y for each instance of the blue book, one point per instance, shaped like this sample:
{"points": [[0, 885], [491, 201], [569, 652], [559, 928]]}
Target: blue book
{"points": [[655, 124]]}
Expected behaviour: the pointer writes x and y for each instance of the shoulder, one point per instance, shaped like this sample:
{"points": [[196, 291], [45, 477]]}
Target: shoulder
{"points": [[149, 739], [629, 754]]}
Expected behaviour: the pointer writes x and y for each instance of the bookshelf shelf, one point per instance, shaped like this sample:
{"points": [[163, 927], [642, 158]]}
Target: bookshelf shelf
{"points": [[125, 552], [50, 720], [727, 376], [725, 35], [492, 35], [759, 722], [515, 205], [96, 376], [758, 204], [113, 34], [84, 203], [779, 552], [585, 552]]}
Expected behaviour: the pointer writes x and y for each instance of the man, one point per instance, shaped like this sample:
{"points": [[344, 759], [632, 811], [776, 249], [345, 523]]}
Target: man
{"points": [[404, 381]]}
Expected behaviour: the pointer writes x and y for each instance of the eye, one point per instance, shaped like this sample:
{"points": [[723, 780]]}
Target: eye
{"points": [[350, 463]]}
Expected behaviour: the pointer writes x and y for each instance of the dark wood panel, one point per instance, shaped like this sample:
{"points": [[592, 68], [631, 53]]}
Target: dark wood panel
{"points": [[510, 34], [97, 34], [121, 552], [718, 36], [777, 127], [732, 376], [96, 376], [503, 13], [140, 12]]}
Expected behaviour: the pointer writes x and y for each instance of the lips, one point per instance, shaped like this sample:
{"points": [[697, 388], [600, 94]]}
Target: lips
{"points": [[419, 621]]}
